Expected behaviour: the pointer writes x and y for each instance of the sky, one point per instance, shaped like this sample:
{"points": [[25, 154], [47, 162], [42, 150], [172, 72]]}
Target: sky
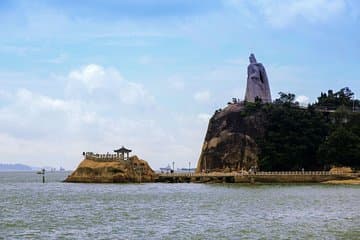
{"points": [[94, 75]]}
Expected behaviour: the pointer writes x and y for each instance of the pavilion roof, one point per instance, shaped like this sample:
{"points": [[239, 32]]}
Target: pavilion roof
{"points": [[122, 150]]}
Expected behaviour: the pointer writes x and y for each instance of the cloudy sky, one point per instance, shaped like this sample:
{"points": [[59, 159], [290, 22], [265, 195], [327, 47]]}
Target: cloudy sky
{"points": [[94, 75]]}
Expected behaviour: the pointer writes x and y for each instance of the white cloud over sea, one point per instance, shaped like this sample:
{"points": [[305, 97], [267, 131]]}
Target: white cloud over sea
{"points": [[100, 110]]}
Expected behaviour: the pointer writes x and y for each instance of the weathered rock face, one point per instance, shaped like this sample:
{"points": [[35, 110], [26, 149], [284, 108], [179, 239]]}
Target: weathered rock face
{"points": [[117, 171], [229, 142]]}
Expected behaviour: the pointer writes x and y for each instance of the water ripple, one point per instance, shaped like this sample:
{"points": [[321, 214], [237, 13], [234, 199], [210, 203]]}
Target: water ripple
{"points": [[56, 210]]}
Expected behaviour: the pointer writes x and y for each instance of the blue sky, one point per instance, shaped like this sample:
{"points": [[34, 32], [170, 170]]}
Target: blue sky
{"points": [[93, 75]]}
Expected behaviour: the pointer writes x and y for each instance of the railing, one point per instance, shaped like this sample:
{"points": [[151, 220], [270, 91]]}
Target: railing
{"points": [[275, 173], [333, 109], [103, 155], [297, 173]]}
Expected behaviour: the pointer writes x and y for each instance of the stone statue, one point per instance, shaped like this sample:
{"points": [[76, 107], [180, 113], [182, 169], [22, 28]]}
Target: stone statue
{"points": [[257, 82]]}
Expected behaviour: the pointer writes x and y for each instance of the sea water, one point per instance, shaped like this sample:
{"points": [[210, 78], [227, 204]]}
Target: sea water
{"points": [[30, 209]]}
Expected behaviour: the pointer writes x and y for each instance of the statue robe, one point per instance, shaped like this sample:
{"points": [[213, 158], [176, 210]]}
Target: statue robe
{"points": [[257, 84]]}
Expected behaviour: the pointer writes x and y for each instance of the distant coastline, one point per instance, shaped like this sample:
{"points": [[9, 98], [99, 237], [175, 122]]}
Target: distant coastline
{"points": [[14, 167], [8, 167]]}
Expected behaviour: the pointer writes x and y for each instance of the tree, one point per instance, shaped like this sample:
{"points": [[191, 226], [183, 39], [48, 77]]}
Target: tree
{"points": [[287, 99], [341, 116], [292, 137], [296, 138], [341, 148], [344, 97]]}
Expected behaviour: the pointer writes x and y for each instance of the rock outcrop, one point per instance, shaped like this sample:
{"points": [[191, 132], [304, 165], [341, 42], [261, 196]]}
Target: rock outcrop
{"points": [[92, 170], [229, 143]]}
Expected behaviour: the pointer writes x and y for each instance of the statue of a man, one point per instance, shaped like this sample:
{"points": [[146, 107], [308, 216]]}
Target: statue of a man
{"points": [[257, 82]]}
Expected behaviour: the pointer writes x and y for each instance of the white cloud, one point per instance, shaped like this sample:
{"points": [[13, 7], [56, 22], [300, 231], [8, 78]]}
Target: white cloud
{"points": [[135, 93], [39, 129], [105, 84], [282, 13], [202, 96], [42, 102], [33, 115], [99, 110], [92, 76], [303, 100]]}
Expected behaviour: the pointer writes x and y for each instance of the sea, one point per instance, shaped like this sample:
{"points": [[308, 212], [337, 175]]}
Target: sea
{"points": [[30, 209]]}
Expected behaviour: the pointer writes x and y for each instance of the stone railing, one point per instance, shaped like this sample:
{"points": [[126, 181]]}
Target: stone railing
{"points": [[107, 157], [333, 109], [301, 173], [275, 173]]}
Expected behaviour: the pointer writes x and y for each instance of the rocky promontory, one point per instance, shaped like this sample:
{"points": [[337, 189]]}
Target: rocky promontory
{"points": [[111, 169], [229, 143], [283, 136]]}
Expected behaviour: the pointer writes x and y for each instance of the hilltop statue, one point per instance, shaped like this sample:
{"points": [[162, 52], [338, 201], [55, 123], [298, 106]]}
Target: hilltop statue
{"points": [[257, 82]]}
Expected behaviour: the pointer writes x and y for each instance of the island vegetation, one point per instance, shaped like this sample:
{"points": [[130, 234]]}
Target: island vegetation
{"points": [[317, 137]]}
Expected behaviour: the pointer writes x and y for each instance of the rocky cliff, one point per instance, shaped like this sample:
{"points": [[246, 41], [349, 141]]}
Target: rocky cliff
{"points": [[93, 170], [229, 143]]}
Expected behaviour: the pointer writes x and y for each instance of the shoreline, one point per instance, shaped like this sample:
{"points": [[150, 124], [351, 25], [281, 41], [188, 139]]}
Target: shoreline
{"points": [[355, 181], [288, 177]]}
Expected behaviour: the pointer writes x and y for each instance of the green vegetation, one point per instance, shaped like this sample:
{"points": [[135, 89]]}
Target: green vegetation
{"points": [[332, 100], [324, 134]]}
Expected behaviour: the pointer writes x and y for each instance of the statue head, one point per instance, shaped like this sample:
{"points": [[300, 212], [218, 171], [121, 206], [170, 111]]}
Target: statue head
{"points": [[252, 58]]}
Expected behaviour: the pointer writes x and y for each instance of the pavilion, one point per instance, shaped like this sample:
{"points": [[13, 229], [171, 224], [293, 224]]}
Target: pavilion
{"points": [[121, 153]]}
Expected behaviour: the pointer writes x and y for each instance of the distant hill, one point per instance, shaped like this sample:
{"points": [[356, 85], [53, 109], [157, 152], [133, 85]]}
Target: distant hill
{"points": [[14, 167]]}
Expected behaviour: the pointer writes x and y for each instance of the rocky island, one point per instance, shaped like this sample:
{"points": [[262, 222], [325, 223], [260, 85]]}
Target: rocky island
{"points": [[280, 135], [112, 168], [229, 143]]}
